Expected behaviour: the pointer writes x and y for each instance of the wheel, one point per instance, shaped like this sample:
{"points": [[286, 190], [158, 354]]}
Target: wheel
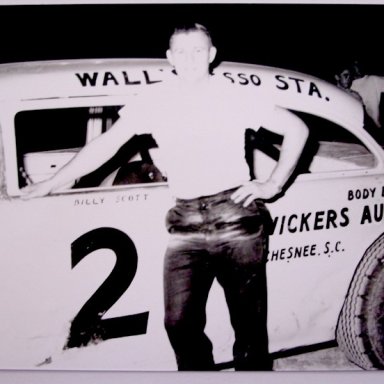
{"points": [[360, 329]]}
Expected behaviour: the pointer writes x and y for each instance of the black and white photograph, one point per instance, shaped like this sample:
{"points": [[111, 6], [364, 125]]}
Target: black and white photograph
{"points": [[192, 187]]}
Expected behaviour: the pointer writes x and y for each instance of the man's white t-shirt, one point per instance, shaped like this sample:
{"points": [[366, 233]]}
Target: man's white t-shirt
{"points": [[370, 88], [199, 131]]}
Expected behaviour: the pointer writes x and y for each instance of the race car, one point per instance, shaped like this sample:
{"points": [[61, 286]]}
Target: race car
{"points": [[81, 269]]}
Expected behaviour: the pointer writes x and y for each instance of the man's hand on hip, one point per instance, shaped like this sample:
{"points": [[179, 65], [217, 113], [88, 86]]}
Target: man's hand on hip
{"points": [[255, 190]]}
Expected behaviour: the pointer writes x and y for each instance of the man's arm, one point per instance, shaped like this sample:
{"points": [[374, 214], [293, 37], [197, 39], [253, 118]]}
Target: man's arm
{"points": [[90, 157], [295, 134]]}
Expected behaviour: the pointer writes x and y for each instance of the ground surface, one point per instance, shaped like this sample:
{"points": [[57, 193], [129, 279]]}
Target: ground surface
{"points": [[330, 359]]}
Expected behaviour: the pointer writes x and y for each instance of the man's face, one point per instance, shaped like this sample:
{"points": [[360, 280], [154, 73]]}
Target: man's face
{"points": [[345, 79], [191, 53]]}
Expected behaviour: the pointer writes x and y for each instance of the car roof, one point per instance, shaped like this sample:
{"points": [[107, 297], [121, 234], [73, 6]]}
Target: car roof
{"points": [[101, 77]]}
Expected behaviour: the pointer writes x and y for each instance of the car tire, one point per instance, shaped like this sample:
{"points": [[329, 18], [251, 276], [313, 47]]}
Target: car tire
{"points": [[360, 329]]}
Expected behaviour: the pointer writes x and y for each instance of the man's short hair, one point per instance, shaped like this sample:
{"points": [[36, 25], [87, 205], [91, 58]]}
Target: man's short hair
{"points": [[190, 27]]}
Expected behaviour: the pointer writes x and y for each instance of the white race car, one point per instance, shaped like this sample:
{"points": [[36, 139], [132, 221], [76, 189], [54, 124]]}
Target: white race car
{"points": [[81, 270]]}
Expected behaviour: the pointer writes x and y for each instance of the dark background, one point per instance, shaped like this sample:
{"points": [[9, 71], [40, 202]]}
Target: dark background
{"points": [[316, 39]]}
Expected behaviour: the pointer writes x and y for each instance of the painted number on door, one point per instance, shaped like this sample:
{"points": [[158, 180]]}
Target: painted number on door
{"points": [[88, 325]]}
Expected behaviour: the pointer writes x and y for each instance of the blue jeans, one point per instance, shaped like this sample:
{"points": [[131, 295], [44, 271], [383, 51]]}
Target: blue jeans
{"points": [[212, 237]]}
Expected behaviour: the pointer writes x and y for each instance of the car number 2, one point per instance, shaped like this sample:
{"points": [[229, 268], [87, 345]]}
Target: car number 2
{"points": [[88, 325]]}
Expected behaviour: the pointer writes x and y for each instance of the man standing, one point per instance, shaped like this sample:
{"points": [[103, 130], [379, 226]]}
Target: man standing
{"points": [[218, 224]]}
